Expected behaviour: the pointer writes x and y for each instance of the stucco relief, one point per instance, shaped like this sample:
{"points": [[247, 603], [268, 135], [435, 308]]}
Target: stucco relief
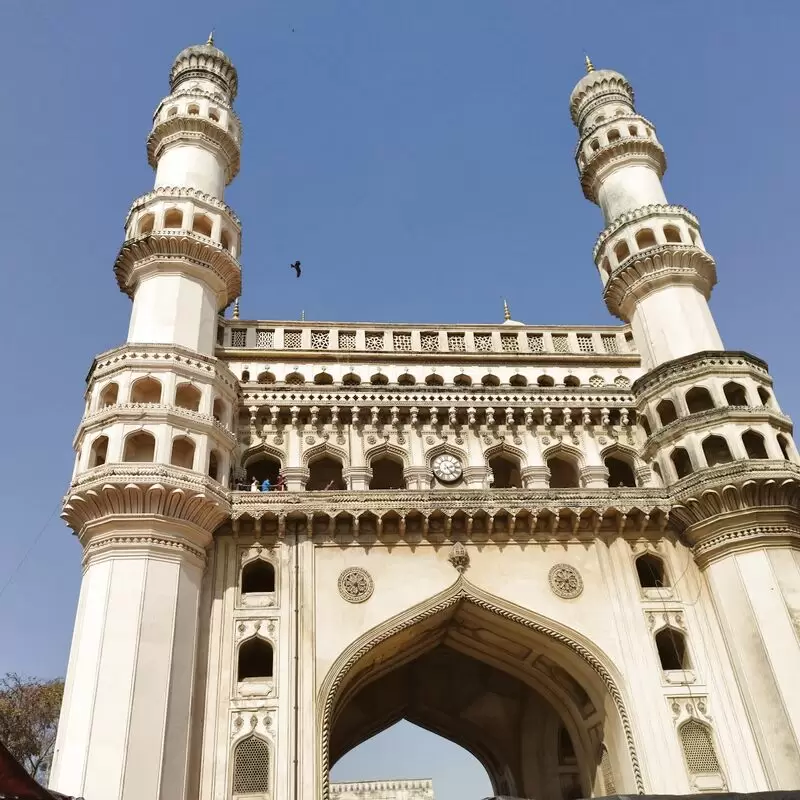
{"points": [[355, 585], [565, 581]]}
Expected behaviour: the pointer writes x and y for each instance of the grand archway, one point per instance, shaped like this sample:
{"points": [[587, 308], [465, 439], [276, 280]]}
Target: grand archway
{"points": [[538, 706]]}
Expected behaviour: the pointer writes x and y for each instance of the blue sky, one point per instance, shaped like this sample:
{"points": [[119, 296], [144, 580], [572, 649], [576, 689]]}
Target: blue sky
{"points": [[416, 156]]}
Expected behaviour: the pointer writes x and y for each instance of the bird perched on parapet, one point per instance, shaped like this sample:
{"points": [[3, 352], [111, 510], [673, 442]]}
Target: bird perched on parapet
{"points": [[296, 267]]}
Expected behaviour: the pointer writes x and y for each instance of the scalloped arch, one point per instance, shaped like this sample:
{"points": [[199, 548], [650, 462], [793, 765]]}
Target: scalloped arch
{"points": [[504, 448], [561, 448], [386, 449], [251, 454], [325, 449], [444, 447]]}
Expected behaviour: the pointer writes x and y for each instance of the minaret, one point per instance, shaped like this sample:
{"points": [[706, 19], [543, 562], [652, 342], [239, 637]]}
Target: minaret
{"points": [[153, 459], [179, 261], [654, 267], [712, 428]]}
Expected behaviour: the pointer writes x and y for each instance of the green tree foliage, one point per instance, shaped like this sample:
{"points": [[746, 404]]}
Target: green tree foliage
{"points": [[28, 720]]}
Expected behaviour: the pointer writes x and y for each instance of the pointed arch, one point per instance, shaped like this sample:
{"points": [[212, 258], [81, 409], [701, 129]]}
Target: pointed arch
{"points": [[504, 448], [593, 665], [261, 449], [565, 450], [445, 447], [387, 449], [325, 449]]}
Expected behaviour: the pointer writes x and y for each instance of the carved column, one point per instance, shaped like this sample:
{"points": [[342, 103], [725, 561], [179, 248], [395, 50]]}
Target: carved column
{"points": [[126, 720]]}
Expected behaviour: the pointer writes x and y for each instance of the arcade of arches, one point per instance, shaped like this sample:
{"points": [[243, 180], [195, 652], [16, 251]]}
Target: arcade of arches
{"points": [[535, 715]]}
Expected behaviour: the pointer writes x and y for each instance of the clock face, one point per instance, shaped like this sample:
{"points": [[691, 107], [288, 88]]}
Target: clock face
{"points": [[447, 468]]}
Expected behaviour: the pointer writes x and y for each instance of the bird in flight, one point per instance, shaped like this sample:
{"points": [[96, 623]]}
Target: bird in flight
{"points": [[296, 267]]}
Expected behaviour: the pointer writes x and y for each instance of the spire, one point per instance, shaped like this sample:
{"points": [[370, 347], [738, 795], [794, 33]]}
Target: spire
{"points": [[211, 38], [506, 312], [236, 308], [589, 65], [302, 316]]}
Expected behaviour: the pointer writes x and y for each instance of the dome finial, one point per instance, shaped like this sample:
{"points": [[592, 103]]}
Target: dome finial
{"points": [[589, 65], [236, 308], [211, 38], [506, 312]]}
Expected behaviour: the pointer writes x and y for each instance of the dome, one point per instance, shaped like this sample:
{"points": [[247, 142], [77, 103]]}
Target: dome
{"points": [[205, 61], [613, 82]]}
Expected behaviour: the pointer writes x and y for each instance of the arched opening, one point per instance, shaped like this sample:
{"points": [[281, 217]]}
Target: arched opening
{"points": [[379, 379], [666, 412], [255, 659], [214, 462], [108, 397], [172, 111], [764, 396], [672, 234], [645, 424], [620, 472], [187, 396], [563, 473], [434, 380], [681, 462], [139, 447], [716, 450], [173, 218], [266, 377], [245, 375], [633, 130], [572, 380], [406, 379], [621, 251], [671, 646], [699, 399], [220, 411], [698, 748], [545, 381], [605, 268], [201, 224], [146, 390], [98, 452], [754, 445], [225, 240], [258, 577], [518, 380], [462, 380], [490, 380], [783, 443], [735, 394], [351, 379], [651, 573], [506, 472], [213, 114], [295, 379], [146, 223], [251, 767], [387, 473], [193, 110], [323, 379], [454, 670], [613, 135], [645, 238], [595, 145], [260, 468], [182, 454], [325, 474]]}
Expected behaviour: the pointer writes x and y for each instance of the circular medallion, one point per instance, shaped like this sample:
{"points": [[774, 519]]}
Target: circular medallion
{"points": [[310, 440], [565, 581], [355, 585], [430, 439], [447, 468]]}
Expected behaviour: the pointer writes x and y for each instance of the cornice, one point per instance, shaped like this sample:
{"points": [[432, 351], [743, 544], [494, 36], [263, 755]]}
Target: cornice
{"points": [[145, 490], [588, 133], [183, 250], [695, 365], [155, 413], [158, 357], [714, 416], [193, 127], [626, 149], [637, 215], [651, 269], [185, 193]]}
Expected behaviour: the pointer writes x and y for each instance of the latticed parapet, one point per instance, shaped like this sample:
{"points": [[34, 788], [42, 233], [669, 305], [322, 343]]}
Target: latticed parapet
{"points": [[183, 122], [738, 506], [179, 250], [708, 409], [152, 404]]}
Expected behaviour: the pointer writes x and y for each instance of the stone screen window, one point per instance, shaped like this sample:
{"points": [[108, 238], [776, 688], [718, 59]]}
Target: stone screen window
{"points": [[509, 342], [374, 340], [251, 767], [610, 344], [401, 341], [629, 341], [585, 343], [483, 342], [698, 748], [560, 343], [429, 342], [238, 337], [265, 339], [347, 340], [293, 340], [320, 340], [220, 335], [456, 343], [536, 342]]}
